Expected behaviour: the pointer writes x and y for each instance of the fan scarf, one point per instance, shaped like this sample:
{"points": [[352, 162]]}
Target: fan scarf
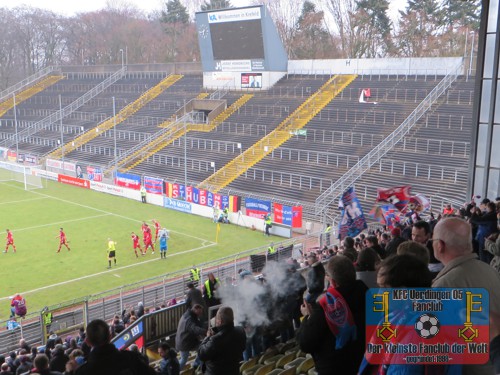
{"points": [[338, 317]]}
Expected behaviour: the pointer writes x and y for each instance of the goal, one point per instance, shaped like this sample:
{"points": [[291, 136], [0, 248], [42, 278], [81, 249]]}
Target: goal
{"points": [[20, 173]]}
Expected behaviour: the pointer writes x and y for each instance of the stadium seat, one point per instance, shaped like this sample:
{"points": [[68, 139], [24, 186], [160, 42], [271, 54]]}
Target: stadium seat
{"points": [[305, 366], [295, 363], [189, 371], [252, 370], [287, 346], [248, 364], [312, 372], [273, 359], [264, 370], [290, 371], [271, 352], [284, 360]]}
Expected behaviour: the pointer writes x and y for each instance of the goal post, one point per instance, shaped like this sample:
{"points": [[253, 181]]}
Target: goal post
{"points": [[20, 173]]}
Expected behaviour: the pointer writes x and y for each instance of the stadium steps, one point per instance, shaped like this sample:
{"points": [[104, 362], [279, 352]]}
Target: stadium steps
{"points": [[121, 116], [176, 131], [28, 93], [297, 120]]}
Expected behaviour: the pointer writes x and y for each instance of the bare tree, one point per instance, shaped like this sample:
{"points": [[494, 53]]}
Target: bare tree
{"points": [[285, 15]]}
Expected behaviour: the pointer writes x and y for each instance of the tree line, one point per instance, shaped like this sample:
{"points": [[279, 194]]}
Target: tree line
{"points": [[32, 38]]}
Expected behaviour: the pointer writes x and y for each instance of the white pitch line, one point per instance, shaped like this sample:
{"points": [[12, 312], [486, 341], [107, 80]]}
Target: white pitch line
{"points": [[112, 213], [108, 271], [22, 201], [61, 222]]}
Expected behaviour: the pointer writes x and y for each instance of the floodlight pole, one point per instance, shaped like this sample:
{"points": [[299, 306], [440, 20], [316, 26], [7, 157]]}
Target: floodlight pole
{"points": [[185, 158], [114, 132], [61, 129], [123, 61], [471, 52], [15, 124]]}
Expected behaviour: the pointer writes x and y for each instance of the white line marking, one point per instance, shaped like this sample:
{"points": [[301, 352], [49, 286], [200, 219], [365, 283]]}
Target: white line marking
{"points": [[61, 222], [105, 272], [22, 201], [112, 213]]}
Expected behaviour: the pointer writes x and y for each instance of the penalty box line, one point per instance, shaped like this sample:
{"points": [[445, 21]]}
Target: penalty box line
{"points": [[109, 271], [115, 214]]}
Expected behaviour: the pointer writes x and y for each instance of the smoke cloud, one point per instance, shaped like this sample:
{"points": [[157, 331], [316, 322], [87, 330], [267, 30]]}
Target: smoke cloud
{"points": [[261, 302]]}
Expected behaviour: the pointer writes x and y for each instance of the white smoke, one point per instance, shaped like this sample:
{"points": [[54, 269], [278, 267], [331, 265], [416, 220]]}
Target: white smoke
{"points": [[254, 301]]}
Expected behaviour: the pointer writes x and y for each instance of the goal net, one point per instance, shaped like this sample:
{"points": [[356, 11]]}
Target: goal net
{"points": [[19, 173]]}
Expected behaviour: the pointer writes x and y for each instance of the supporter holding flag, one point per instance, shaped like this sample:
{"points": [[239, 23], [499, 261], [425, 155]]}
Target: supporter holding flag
{"points": [[352, 219], [399, 196]]}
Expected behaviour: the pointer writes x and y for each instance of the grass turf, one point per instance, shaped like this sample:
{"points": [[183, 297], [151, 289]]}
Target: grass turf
{"points": [[89, 218]]}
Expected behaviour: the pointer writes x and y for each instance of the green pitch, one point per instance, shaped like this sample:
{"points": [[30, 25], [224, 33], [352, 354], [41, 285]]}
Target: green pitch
{"points": [[89, 218]]}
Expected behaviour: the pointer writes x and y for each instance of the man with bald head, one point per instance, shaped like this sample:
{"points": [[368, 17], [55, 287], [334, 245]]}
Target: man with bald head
{"points": [[452, 244]]}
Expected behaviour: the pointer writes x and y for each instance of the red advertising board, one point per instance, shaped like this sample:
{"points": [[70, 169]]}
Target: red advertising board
{"points": [[73, 181]]}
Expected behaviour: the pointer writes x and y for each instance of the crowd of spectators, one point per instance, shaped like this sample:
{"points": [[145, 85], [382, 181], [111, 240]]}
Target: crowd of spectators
{"points": [[458, 248]]}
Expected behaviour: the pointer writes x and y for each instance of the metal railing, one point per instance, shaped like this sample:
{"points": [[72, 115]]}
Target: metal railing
{"points": [[57, 116], [5, 94], [68, 316], [328, 197], [190, 117]]}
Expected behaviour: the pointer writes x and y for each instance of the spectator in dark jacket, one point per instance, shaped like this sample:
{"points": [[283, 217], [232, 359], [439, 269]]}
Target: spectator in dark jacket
{"points": [[58, 359], [106, 359], [395, 241], [486, 225], [222, 349], [189, 333], [169, 364], [5, 369], [315, 335], [41, 366], [24, 364], [194, 297]]}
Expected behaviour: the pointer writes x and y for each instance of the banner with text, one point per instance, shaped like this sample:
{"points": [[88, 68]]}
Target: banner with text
{"points": [[153, 185], [128, 180], [424, 326], [257, 208]]}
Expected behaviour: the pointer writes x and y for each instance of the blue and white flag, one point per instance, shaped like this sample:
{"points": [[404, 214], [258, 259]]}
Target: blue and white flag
{"points": [[352, 220]]}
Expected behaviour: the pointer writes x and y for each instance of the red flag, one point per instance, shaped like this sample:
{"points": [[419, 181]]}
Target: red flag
{"points": [[297, 217], [399, 196], [278, 213]]}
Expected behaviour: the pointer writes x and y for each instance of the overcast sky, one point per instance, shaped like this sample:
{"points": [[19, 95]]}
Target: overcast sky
{"points": [[71, 7]]}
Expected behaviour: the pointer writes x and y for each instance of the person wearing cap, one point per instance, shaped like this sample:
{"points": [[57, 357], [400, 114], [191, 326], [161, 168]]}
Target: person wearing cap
{"points": [[395, 241]]}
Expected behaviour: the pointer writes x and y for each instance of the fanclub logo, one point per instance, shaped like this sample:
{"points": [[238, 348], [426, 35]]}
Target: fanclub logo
{"points": [[427, 326]]}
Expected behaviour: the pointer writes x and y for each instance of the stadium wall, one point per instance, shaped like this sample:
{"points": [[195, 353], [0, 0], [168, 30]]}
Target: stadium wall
{"points": [[397, 66]]}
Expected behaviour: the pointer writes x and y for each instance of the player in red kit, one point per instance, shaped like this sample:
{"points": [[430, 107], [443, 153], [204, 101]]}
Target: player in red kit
{"points": [[62, 240], [157, 228], [10, 241], [136, 244], [148, 242], [144, 229]]}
